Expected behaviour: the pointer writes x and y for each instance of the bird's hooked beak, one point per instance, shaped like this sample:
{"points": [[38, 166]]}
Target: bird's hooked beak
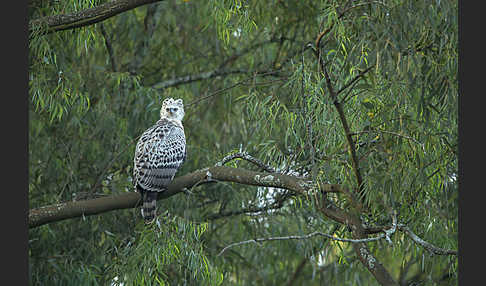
{"points": [[171, 110]]}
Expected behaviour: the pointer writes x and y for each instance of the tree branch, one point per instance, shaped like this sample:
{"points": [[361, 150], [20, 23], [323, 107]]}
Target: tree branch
{"points": [[341, 14], [348, 84], [307, 236], [297, 271], [391, 133], [334, 96], [364, 255], [242, 82], [246, 50], [347, 132], [84, 17], [191, 78], [358, 232], [429, 247], [249, 158], [62, 211], [109, 48], [248, 210]]}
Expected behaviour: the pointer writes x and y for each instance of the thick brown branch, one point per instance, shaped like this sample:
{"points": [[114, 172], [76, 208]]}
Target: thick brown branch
{"points": [[62, 211], [373, 265], [360, 248], [74, 209], [85, 17]]}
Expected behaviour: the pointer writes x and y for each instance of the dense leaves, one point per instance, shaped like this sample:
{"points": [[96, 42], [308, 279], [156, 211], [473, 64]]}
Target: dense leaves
{"points": [[251, 81]]}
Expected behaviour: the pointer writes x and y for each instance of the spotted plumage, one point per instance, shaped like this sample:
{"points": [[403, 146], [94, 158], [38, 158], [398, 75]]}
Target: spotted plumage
{"points": [[159, 153]]}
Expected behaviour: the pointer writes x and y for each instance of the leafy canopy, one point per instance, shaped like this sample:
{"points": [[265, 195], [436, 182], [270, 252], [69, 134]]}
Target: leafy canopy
{"points": [[250, 81]]}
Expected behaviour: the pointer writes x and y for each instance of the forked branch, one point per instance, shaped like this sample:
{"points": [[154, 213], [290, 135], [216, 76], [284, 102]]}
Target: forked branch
{"points": [[244, 155], [73, 209], [307, 236]]}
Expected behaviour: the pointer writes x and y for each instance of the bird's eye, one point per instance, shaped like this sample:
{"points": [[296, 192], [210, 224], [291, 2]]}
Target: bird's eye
{"points": [[167, 109]]}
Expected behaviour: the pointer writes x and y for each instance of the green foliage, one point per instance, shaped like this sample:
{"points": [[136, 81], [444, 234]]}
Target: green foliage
{"points": [[165, 254], [85, 118]]}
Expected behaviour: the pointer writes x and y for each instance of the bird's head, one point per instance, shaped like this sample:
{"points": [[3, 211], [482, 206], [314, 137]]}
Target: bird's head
{"points": [[172, 109]]}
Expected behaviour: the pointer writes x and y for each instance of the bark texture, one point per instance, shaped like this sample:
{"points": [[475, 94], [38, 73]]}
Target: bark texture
{"points": [[84, 17], [62, 211]]}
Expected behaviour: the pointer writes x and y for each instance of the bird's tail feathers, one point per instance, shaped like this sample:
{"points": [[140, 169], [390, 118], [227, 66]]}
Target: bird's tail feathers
{"points": [[149, 206]]}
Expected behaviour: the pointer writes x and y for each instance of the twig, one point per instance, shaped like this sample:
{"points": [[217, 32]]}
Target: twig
{"points": [[346, 97], [325, 32], [307, 236], [392, 230], [387, 232], [429, 247], [297, 271], [391, 133], [405, 270], [244, 155], [215, 93], [253, 47], [191, 78], [249, 210], [360, 4], [402, 227], [361, 74], [109, 164], [109, 48], [344, 122], [310, 142], [242, 82]]}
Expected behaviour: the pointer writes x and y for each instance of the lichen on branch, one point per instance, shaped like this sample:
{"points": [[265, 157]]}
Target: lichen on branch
{"points": [[73, 209]]}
